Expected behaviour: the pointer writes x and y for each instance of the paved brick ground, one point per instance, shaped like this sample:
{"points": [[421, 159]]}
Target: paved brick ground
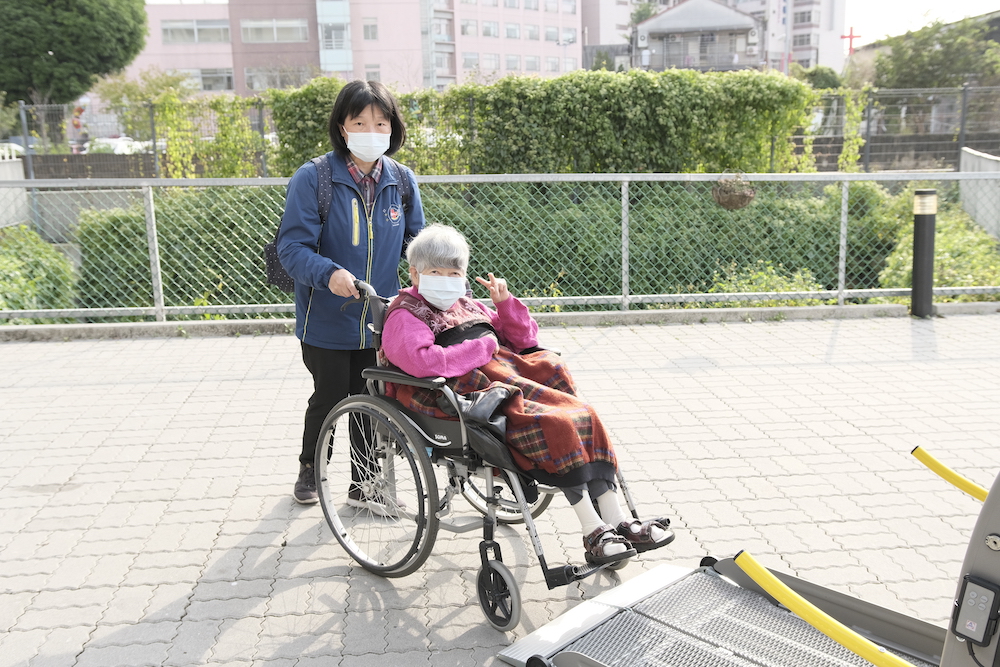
{"points": [[145, 516]]}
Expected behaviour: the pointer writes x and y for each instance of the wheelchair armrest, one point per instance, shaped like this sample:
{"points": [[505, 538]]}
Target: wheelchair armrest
{"points": [[396, 376]]}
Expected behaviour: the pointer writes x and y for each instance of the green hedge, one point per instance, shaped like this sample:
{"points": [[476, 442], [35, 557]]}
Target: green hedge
{"points": [[210, 242], [33, 274], [582, 122]]}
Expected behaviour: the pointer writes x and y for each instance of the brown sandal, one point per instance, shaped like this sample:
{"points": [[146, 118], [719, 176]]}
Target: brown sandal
{"points": [[595, 543], [643, 540]]}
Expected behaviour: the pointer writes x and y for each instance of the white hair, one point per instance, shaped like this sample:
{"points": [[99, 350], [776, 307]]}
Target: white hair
{"points": [[438, 246]]}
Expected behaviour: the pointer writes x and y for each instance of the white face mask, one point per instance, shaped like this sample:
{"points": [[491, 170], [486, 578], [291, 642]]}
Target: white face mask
{"points": [[368, 146], [441, 291]]}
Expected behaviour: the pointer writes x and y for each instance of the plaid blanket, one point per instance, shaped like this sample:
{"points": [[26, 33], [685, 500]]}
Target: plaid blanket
{"points": [[548, 427]]}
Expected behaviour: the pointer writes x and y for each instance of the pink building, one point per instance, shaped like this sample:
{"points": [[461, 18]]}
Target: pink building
{"points": [[246, 46]]}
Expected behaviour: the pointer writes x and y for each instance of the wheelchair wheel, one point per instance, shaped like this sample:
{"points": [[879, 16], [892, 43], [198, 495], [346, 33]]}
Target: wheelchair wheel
{"points": [[508, 511], [376, 486], [499, 596]]}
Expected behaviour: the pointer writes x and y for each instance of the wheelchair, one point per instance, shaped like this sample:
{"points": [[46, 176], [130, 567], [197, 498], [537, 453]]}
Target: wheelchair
{"points": [[377, 486]]}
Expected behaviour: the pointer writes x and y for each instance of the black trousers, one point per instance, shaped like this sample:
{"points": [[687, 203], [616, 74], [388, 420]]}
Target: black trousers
{"points": [[336, 374]]}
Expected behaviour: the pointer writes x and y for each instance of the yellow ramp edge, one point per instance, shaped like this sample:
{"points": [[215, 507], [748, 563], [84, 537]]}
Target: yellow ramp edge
{"points": [[812, 615], [949, 475]]}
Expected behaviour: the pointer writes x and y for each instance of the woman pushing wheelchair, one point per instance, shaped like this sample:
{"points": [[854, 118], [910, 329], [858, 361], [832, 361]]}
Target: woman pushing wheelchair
{"points": [[435, 328]]}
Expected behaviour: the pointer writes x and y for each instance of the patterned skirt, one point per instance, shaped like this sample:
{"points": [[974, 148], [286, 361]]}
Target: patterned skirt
{"points": [[549, 429]]}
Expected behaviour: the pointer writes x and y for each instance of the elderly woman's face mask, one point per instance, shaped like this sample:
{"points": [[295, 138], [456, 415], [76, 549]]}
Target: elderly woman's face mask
{"points": [[441, 287]]}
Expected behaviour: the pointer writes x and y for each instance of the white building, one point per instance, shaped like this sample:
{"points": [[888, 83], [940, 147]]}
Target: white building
{"points": [[804, 31]]}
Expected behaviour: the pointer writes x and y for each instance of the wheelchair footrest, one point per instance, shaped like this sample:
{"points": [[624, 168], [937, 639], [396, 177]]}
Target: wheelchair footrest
{"points": [[567, 574]]}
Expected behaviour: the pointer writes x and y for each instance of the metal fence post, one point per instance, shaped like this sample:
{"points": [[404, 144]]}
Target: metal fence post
{"points": [[154, 254], [868, 132], [263, 137], [962, 124], [924, 218], [27, 141], [625, 286], [842, 262], [156, 149]]}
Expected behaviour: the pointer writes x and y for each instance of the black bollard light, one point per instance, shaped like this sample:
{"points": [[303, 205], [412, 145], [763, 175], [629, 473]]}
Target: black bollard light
{"points": [[924, 219]]}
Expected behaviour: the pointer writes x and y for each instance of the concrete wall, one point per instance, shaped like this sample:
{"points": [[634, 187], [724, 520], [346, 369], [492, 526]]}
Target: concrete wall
{"points": [[981, 199], [13, 201]]}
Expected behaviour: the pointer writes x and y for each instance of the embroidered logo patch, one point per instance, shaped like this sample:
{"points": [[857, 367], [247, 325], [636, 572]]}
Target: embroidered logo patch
{"points": [[394, 213]]}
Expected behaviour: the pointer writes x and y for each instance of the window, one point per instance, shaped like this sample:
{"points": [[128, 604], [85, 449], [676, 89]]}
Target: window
{"points": [[489, 3], [491, 29], [470, 27], [513, 63], [513, 31], [568, 35], [511, 4], [801, 40], [468, 2], [569, 6], [262, 78], [178, 32], [551, 34], [531, 63], [191, 32], [333, 36], [217, 79], [470, 60], [552, 64], [531, 4], [443, 30], [622, 26], [274, 30], [802, 17], [552, 5], [569, 64], [445, 62], [531, 32], [805, 63], [491, 62], [373, 73], [370, 28]]}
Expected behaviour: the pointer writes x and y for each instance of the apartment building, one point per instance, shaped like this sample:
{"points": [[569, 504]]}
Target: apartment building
{"points": [[245, 46]]}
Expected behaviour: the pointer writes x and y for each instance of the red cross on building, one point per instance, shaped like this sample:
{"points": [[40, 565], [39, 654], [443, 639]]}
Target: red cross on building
{"points": [[851, 37]]}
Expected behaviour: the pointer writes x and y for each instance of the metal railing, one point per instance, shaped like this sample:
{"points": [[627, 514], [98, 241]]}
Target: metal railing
{"points": [[191, 248]]}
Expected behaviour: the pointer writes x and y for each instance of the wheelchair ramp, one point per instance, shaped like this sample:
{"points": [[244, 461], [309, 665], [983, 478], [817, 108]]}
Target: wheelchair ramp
{"points": [[691, 619]]}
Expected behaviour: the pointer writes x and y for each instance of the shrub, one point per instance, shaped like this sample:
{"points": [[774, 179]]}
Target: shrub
{"points": [[33, 274], [765, 277], [964, 256]]}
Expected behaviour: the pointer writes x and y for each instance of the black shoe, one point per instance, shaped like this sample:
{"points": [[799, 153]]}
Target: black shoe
{"points": [[305, 486]]}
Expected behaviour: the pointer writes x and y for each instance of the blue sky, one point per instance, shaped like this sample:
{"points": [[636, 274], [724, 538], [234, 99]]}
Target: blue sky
{"points": [[874, 19]]}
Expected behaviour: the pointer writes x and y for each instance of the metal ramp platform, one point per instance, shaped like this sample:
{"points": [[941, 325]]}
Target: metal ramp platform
{"points": [[688, 618]]}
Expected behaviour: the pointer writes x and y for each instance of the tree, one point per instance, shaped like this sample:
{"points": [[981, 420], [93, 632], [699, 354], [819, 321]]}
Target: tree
{"points": [[644, 11], [602, 60], [940, 56], [129, 98], [53, 50]]}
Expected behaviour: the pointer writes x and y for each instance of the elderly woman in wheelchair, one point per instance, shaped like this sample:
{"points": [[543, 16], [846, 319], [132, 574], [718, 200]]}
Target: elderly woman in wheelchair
{"points": [[472, 392]]}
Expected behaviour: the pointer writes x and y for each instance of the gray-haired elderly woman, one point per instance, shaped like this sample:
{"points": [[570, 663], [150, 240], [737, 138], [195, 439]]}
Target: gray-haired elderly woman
{"points": [[435, 328]]}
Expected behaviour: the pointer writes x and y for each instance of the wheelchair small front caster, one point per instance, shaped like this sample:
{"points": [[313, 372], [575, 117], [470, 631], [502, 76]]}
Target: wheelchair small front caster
{"points": [[499, 596]]}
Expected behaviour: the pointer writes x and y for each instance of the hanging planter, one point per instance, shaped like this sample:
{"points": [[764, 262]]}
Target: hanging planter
{"points": [[732, 191]]}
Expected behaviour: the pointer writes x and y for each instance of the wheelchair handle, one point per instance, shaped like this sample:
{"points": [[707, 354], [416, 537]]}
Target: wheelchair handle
{"points": [[365, 289]]}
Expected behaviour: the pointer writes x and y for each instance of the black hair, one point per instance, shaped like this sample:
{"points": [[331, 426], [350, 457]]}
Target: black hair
{"points": [[353, 99]]}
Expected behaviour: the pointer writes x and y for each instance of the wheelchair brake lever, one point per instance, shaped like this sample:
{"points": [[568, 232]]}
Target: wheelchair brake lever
{"points": [[365, 291]]}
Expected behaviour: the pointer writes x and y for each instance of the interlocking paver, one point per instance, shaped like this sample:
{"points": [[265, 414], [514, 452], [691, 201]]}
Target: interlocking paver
{"points": [[139, 496]]}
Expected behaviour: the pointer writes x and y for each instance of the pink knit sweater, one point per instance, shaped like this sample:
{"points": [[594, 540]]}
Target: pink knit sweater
{"points": [[409, 343]]}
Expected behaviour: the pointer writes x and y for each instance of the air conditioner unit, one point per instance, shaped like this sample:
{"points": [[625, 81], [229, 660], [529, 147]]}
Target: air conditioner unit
{"points": [[751, 50], [752, 36], [643, 38], [671, 37]]}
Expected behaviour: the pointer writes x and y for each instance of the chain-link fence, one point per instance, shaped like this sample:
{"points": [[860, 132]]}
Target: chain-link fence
{"points": [[96, 140], [182, 249]]}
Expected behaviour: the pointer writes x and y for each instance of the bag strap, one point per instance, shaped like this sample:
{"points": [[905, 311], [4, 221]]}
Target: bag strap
{"points": [[405, 189], [324, 192], [324, 187]]}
